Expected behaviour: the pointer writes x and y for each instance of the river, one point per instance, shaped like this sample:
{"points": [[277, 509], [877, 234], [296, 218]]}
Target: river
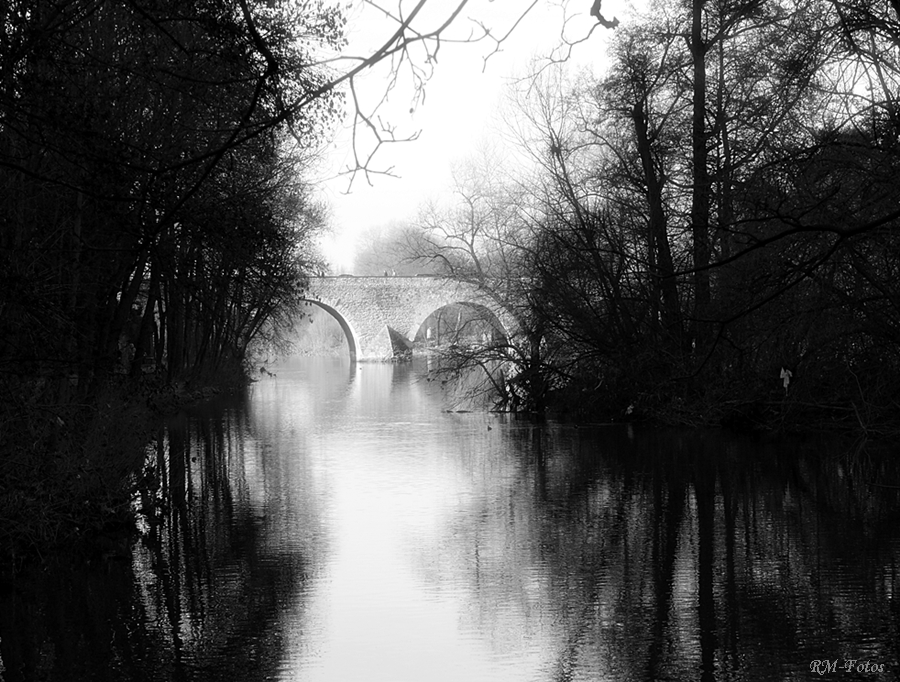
{"points": [[339, 523]]}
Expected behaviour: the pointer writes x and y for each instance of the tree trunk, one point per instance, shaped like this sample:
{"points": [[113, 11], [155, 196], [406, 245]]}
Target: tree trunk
{"points": [[664, 271], [700, 199]]}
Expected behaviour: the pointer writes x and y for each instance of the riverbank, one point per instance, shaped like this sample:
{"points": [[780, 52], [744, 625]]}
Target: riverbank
{"points": [[69, 472], [774, 411]]}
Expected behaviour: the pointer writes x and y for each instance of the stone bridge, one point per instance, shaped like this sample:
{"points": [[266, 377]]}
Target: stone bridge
{"points": [[381, 316]]}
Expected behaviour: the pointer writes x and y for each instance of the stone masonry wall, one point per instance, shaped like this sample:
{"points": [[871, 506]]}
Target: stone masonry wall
{"points": [[366, 306]]}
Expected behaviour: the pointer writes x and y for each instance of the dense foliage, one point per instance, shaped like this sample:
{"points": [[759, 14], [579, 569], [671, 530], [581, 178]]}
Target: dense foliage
{"points": [[152, 212]]}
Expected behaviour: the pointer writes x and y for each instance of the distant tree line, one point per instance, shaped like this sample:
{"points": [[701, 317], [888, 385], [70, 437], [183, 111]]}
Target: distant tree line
{"points": [[720, 206]]}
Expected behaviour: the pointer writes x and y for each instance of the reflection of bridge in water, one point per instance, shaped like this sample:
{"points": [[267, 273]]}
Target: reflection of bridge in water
{"points": [[380, 316]]}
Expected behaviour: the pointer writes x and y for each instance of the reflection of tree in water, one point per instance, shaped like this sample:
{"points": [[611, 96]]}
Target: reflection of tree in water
{"points": [[201, 596], [679, 555], [214, 594], [717, 561]]}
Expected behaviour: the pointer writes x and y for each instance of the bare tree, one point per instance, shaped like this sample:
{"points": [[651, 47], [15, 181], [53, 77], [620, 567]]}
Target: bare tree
{"points": [[483, 237]]}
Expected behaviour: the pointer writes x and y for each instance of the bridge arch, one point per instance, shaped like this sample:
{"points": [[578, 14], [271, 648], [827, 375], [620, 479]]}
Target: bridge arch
{"points": [[484, 314], [346, 327]]}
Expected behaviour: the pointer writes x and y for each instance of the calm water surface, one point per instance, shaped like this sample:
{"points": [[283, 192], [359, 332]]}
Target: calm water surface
{"points": [[339, 524]]}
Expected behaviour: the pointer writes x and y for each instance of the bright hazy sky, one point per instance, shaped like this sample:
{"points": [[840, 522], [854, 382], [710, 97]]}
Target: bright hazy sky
{"points": [[460, 111]]}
